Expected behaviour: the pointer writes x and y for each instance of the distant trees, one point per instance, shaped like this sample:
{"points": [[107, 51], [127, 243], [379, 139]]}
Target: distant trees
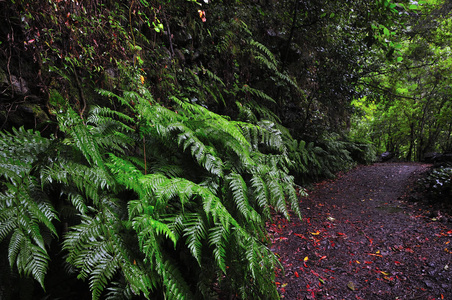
{"points": [[413, 110]]}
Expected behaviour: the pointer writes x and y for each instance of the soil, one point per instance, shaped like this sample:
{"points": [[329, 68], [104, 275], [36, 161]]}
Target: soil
{"points": [[362, 237]]}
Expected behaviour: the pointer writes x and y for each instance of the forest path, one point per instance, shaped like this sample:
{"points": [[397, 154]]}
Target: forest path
{"points": [[360, 239]]}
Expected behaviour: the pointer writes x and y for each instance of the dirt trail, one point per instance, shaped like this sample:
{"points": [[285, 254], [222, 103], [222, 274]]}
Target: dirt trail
{"points": [[360, 239]]}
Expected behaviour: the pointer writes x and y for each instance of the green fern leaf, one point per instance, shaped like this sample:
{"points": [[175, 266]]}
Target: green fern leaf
{"points": [[218, 237], [239, 195], [176, 287], [195, 232]]}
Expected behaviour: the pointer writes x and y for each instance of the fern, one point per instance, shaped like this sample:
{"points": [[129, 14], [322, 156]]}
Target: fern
{"points": [[165, 184], [24, 209], [258, 93], [195, 231], [264, 50], [239, 193]]}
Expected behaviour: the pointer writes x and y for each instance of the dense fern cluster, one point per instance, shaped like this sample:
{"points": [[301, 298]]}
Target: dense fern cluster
{"points": [[169, 202], [313, 161]]}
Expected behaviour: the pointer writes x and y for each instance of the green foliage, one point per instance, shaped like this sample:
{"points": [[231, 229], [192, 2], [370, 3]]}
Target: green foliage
{"points": [[26, 214], [438, 184], [313, 161], [408, 113], [198, 186]]}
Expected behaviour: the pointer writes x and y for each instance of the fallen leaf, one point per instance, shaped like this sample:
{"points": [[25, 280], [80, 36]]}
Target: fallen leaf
{"points": [[306, 258], [315, 233], [379, 255], [351, 285], [300, 235], [296, 274]]}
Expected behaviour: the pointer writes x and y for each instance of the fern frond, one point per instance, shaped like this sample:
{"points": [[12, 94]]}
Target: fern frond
{"points": [[277, 195], [266, 62], [239, 192], [28, 207], [265, 50], [23, 144], [218, 237], [147, 227], [258, 93], [89, 180], [29, 258], [13, 169], [195, 232], [214, 77], [81, 138], [292, 197], [95, 248], [125, 173], [263, 111], [176, 286], [260, 193], [105, 267]]}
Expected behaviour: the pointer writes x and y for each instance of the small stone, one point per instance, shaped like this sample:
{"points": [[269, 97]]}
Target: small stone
{"points": [[429, 284]]}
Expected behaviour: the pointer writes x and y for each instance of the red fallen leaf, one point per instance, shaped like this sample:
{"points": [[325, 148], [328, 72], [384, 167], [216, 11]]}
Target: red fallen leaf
{"points": [[340, 233], [409, 250], [397, 262], [368, 262], [315, 273], [296, 274], [323, 257], [300, 235]]}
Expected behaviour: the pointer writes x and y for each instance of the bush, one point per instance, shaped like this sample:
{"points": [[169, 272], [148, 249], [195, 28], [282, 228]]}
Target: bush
{"points": [[438, 184]]}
